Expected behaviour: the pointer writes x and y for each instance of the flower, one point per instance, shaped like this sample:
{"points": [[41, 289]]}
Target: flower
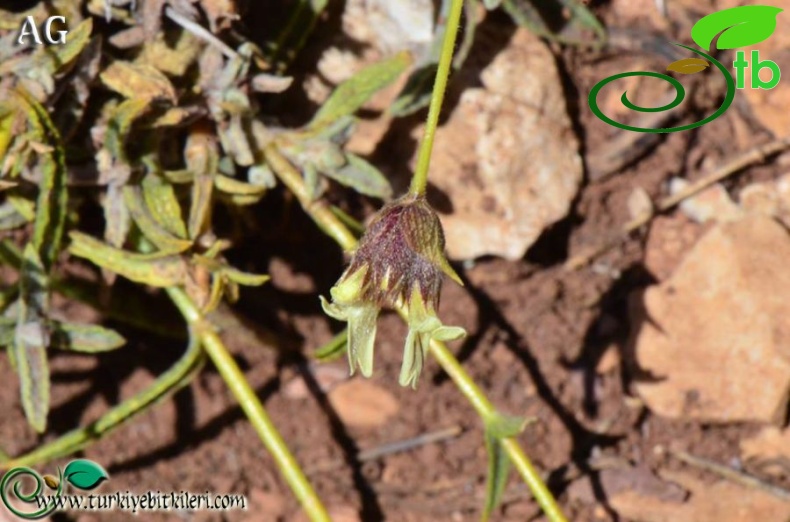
{"points": [[399, 263]]}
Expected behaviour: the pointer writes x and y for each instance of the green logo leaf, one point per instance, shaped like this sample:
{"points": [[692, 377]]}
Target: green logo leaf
{"points": [[84, 474], [741, 26]]}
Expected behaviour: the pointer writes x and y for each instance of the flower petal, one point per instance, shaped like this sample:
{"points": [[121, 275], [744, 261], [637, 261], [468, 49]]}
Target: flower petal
{"points": [[361, 337], [413, 357], [448, 333]]}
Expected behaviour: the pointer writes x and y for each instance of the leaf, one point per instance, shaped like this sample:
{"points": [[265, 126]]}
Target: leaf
{"points": [[235, 187], [498, 427], [491, 4], [52, 196], [354, 92], [137, 81], [150, 227], [334, 349], [85, 338], [77, 39], [362, 177], [151, 269], [742, 26], [534, 15], [161, 200], [84, 474], [31, 337], [688, 65], [244, 278], [498, 468], [304, 15]]}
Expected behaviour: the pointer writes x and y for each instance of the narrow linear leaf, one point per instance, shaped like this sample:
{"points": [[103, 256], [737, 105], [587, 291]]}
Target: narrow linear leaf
{"points": [[334, 349], [235, 187], [31, 338], [498, 468], [52, 197], [85, 338], [151, 269], [363, 177], [202, 158], [498, 427], [244, 278], [354, 92]]}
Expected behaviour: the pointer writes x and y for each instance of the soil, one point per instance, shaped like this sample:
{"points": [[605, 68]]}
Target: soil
{"points": [[544, 342]]}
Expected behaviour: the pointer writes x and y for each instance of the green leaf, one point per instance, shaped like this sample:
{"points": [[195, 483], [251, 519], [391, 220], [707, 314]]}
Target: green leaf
{"points": [[498, 468], [530, 14], [149, 226], [294, 33], [52, 196], [354, 92], [152, 269], [77, 39], [743, 26], [334, 349], [244, 278], [161, 200], [85, 338], [31, 337], [362, 177], [498, 427], [491, 4], [84, 474]]}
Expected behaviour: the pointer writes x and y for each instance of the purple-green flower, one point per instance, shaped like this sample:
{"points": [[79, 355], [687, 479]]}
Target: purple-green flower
{"points": [[399, 263]]}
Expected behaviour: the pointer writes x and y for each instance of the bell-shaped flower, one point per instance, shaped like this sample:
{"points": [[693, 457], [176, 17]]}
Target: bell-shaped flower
{"points": [[399, 263]]}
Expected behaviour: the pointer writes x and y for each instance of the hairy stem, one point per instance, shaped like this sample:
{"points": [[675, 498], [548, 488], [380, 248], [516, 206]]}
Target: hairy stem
{"points": [[420, 180], [260, 420]]}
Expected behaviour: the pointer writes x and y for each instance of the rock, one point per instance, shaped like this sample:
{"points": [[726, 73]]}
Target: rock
{"points": [[715, 336], [668, 241], [507, 157], [362, 404], [711, 204], [722, 501], [769, 450]]}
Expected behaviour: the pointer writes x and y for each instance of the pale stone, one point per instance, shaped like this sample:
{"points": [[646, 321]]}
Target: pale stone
{"points": [[507, 158], [362, 404], [715, 336], [721, 501]]}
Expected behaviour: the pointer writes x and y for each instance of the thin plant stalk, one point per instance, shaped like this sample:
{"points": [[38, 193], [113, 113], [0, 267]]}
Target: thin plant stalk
{"points": [[249, 402], [419, 181], [171, 380], [335, 228]]}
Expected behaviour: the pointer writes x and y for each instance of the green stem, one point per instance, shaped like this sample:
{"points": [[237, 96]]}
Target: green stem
{"points": [[337, 231], [174, 378], [420, 180], [260, 420], [486, 410]]}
